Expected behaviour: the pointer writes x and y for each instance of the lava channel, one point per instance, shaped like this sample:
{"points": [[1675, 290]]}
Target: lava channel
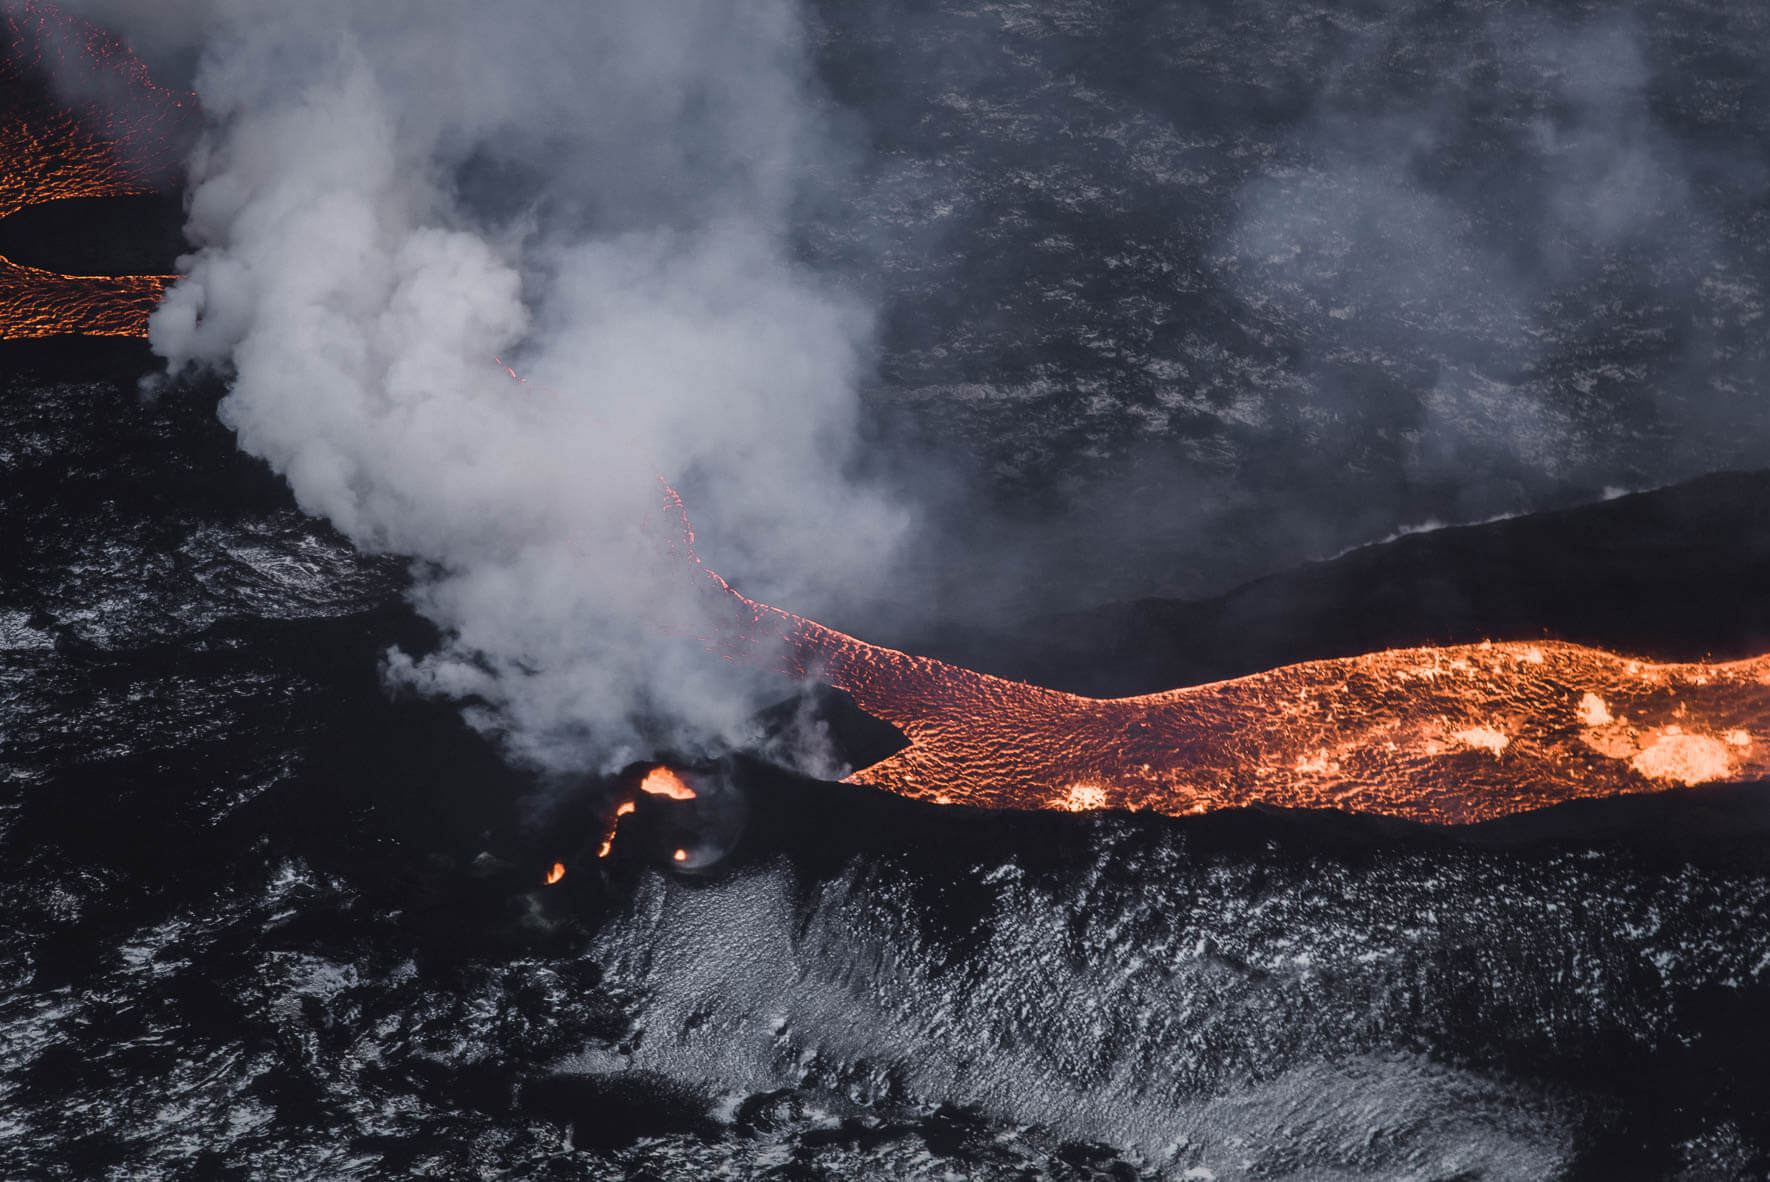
{"points": [[37, 303], [125, 139], [1448, 735]]}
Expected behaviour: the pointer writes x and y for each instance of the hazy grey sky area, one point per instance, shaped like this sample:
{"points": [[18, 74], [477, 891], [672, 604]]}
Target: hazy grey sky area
{"points": [[946, 312]]}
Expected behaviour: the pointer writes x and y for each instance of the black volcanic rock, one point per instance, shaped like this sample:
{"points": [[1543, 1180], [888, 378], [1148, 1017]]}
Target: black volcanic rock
{"points": [[1680, 573], [260, 919], [139, 235]]}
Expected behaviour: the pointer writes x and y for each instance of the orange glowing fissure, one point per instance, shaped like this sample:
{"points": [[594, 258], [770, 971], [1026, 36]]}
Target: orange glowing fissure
{"points": [[1438, 734], [660, 781], [50, 152]]}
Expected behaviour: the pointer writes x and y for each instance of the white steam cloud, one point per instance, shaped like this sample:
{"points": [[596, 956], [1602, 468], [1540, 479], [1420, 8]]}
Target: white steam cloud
{"points": [[391, 194]]}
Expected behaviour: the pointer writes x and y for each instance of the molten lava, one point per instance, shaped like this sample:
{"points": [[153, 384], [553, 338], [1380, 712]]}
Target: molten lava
{"points": [[661, 781], [1450, 735], [556, 873], [1447, 735], [79, 114], [608, 834], [122, 136], [36, 303]]}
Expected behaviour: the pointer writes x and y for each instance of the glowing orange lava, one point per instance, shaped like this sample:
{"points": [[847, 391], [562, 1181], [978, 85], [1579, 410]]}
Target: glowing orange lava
{"points": [[555, 874], [661, 781], [119, 138], [35, 303], [608, 834], [79, 115], [1449, 735], [1453, 735], [680, 855]]}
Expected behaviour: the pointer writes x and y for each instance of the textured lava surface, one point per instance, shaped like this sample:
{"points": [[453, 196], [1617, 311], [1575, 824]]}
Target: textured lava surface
{"points": [[79, 118]]}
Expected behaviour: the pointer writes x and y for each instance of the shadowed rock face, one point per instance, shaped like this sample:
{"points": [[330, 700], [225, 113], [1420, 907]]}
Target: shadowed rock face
{"points": [[122, 235]]}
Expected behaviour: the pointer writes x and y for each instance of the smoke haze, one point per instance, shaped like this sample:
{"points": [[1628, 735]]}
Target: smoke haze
{"points": [[391, 196]]}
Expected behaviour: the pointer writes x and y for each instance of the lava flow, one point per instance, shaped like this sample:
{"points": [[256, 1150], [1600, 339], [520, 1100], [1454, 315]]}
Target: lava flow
{"points": [[35, 303], [1445, 735], [660, 781], [119, 135]]}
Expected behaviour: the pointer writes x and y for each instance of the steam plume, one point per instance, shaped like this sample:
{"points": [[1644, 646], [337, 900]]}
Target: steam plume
{"points": [[390, 195]]}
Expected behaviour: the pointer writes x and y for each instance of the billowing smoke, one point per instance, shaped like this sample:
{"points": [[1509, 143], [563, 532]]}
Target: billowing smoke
{"points": [[393, 194]]}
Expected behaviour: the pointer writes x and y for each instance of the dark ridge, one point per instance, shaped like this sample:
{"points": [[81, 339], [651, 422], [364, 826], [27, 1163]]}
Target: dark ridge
{"points": [[618, 1108], [1681, 573], [140, 235]]}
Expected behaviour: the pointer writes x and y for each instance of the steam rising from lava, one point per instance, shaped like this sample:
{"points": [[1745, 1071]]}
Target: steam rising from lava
{"points": [[390, 195]]}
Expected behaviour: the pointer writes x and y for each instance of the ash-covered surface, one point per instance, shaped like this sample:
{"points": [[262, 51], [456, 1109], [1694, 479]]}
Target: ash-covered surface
{"points": [[265, 922]]}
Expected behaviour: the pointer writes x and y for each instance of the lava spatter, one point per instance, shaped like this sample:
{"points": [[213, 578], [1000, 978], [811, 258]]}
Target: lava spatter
{"points": [[38, 303]]}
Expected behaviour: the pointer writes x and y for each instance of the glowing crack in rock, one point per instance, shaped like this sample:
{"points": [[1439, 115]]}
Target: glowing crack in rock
{"points": [[623, 809]]}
